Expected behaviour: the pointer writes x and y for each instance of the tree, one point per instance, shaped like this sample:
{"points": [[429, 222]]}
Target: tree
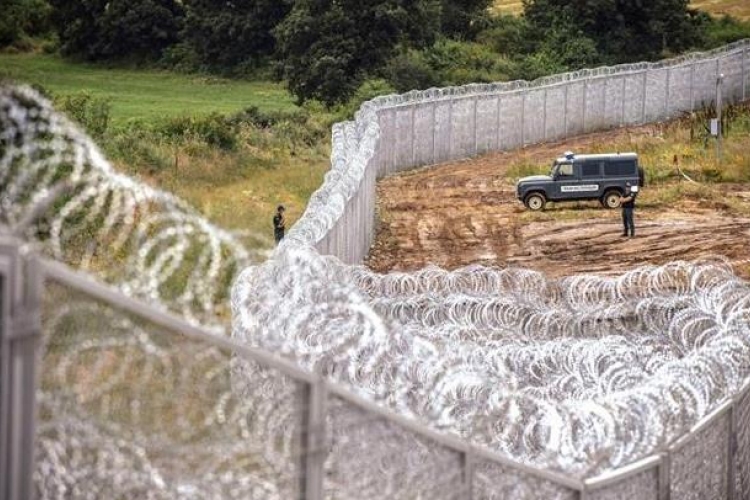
{"points": [[623, 30], [21, 18], [115, 29], [328, 47], [225, 34], [464, 18]]}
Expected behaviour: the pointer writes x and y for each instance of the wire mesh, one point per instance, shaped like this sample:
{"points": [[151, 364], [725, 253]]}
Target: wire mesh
{"points": [[644, 485], [131, 410], [699, 467], [373, 458], [493, 481]]}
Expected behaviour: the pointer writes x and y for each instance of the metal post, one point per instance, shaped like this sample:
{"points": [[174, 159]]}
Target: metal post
{"points": [[467, 469], [719, 82], [413, 137], [499, 122], [523, 118], [565, 111], [604, 103], [731, 452], [692, 86], [21, 333], [583, 118], [313, 441], [744, 73], [666, 93], [476, 139], [544, 116], [643, 103], [624, 90], [434, 129], [665, 485]]}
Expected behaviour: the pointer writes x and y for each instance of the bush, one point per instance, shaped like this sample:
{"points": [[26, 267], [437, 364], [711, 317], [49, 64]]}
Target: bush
{"points": [[92, 113], [214, 129], [459, 63], [724, 30], [410, 71]]}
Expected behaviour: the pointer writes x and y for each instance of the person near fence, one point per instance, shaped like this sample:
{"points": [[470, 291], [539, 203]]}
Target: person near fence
{"points": [[279, 224], [628, 207]]}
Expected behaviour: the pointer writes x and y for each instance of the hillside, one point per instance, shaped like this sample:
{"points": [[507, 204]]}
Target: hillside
{"points": [[737, 8]]}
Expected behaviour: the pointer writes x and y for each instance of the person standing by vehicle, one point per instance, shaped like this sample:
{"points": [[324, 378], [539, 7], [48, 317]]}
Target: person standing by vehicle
{"points": [[628, 207], [279, 224]]}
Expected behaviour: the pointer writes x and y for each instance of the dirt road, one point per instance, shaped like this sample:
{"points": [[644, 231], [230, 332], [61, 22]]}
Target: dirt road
{"points": [[466, 212]]}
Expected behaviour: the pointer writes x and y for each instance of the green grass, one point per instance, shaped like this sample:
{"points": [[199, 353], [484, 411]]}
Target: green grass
{"points": [[145, 94]]}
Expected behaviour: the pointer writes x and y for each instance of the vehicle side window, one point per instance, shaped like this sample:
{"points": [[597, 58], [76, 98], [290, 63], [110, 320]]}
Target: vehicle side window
{"points": [[590, 169], [565, 170], [619, 168]]}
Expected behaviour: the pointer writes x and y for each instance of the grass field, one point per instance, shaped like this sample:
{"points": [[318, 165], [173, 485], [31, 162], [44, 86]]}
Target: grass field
{"points": [[237, 188], [737, 8], [144, 94]]}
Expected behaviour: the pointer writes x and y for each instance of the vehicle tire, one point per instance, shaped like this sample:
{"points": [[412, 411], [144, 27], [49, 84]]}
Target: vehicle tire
{"points": [[535, 201], [611, 199]]}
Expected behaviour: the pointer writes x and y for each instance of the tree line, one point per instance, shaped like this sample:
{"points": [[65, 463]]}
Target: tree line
{"points": [[331, 50]]}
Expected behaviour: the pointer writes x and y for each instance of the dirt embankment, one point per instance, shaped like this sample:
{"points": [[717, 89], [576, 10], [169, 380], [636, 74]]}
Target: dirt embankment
{"points": [[466, 212]]}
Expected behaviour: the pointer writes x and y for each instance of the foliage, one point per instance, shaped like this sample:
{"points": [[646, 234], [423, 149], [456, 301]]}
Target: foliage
{"points": [[327, 48], [116, 29], [20, 19], [463, 19], [92, 113], [723, 30], [227, 35], [623, 30]]}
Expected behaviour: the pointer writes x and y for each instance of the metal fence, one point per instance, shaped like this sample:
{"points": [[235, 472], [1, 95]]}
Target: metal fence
{"points": [[400, 132], [134, 402]]}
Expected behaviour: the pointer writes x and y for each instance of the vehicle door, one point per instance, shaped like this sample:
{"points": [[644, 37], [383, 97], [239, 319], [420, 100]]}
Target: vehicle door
{"points": [[567, 178], [591, 184]]}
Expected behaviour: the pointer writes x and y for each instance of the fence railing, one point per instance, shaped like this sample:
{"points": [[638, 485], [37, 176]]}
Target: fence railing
{"points": [[132, 400]]}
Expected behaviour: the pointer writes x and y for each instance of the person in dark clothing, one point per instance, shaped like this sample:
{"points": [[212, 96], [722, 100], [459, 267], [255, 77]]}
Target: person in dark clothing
{"points": [[279, 224], [628, 207]]}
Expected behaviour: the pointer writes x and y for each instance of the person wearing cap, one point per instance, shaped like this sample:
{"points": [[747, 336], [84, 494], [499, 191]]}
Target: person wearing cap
{"points": [[279, 224], [628, 207]]}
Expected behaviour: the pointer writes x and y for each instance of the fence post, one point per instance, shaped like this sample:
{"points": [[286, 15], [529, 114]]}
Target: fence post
{"points": [[565, 111], [467, 468], [313, 440], [434, 131], [604, 102], [523, 118], [665, 477], [583, 100], [666, 93], [731, 453], [450, 129], [476, 138], [499, 121], [692, 86], [718, 72], [624, 90], [643, 103], [20, 335], [544, 114], [744, 73], [413, 136]]}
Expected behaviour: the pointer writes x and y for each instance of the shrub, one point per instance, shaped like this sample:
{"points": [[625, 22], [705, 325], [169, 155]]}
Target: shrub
{"points": [[92, 113]]}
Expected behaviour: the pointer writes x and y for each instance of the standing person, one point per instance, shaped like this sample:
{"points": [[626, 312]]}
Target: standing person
{"points": [[628, 207], [279, 224]]}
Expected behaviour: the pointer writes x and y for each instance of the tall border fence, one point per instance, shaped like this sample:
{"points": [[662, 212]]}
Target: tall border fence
{"points": [[131, 401], [400, 132]]}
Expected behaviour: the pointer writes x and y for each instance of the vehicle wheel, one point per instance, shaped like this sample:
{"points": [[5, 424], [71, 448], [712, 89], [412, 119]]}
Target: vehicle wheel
{"points": [[611, 199], [535, 201]]}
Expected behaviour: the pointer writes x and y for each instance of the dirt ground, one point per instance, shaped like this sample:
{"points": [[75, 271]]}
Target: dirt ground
{"points": [[466, 212]]}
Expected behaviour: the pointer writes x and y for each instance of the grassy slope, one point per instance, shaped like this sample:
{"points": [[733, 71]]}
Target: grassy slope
{"points": [[737, 8], [146, 95], [238, 189]]}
